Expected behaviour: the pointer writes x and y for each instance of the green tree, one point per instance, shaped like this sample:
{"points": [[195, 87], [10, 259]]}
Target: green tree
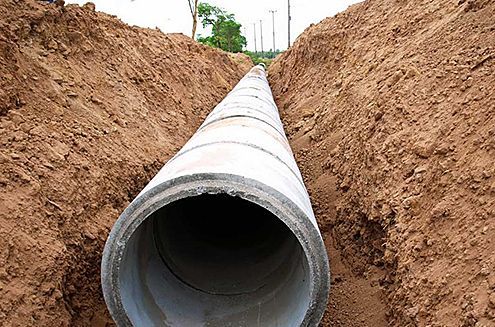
{"points": [[225, 30]]}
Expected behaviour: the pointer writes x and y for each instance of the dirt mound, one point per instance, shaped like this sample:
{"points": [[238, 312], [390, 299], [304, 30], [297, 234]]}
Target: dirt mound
{"points": [[90, 108], [390, 108]]}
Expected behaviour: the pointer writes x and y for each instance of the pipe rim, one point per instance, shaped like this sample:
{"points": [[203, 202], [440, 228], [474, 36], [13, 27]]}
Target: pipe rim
{"points": [[216, 183]]}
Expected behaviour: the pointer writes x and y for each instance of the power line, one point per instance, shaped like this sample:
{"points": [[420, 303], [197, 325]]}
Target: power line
{"points": [[261, 30], [273, 27], [255, 49]]}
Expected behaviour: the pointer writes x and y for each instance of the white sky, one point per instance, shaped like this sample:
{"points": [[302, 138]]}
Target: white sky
{"points": [[174, 16]]}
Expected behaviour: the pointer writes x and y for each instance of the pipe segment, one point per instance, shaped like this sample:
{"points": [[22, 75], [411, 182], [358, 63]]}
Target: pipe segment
{"points": [[224, 234]]}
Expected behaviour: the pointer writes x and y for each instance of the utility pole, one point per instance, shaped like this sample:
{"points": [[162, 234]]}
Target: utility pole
{"points": [[288, 23], [261, 31], [255, 49], [273, 28]]}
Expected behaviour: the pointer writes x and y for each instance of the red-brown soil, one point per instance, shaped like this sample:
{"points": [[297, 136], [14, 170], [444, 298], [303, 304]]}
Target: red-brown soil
{"points": [[390, 109], [90, 109]]}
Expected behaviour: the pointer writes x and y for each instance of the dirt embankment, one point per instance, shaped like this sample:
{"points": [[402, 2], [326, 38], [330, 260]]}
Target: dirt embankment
{"points": [[90, 108], [390, 108]]}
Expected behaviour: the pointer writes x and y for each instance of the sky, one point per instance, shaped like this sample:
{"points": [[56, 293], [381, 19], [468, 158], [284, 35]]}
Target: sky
{"points": [[173, 16]]}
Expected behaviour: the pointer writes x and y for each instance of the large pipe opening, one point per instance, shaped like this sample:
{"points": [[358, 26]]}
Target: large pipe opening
{"points": [[214, 260]]}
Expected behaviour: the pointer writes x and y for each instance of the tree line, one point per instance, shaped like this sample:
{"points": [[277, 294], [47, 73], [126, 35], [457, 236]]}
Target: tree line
{"points": [[225, 30]]}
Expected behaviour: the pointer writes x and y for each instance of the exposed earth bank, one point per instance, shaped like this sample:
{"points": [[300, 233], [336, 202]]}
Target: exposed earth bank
{"points": [[90, 109], [390, 109]]}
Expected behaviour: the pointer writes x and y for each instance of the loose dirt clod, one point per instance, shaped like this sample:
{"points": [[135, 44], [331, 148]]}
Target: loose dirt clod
{"points": [[399, 157], [90, 108]]}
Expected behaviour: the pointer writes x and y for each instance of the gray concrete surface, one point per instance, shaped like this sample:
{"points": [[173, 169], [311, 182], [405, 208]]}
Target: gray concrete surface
{"points": [[224, 234]]}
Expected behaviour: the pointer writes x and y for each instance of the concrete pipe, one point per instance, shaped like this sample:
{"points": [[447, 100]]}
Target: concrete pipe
{"points": [[224, 234]]}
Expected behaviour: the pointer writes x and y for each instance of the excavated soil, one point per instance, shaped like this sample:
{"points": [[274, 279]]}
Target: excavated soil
{"points": [[390, 109], [90, 109]]}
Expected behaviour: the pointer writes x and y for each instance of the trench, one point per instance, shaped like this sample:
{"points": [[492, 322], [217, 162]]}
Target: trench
{"points": [[198, 224]]}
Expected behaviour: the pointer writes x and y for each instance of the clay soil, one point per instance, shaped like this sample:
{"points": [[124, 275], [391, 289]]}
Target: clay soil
{"points": [[389, 107], [90, 109]]}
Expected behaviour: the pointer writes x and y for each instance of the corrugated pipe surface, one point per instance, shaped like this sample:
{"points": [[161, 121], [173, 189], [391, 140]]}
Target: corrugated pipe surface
{"points": [[224, 234]]}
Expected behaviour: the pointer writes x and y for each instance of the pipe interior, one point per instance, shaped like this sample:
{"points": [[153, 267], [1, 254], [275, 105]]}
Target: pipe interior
{"points": [[214, 260]]}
